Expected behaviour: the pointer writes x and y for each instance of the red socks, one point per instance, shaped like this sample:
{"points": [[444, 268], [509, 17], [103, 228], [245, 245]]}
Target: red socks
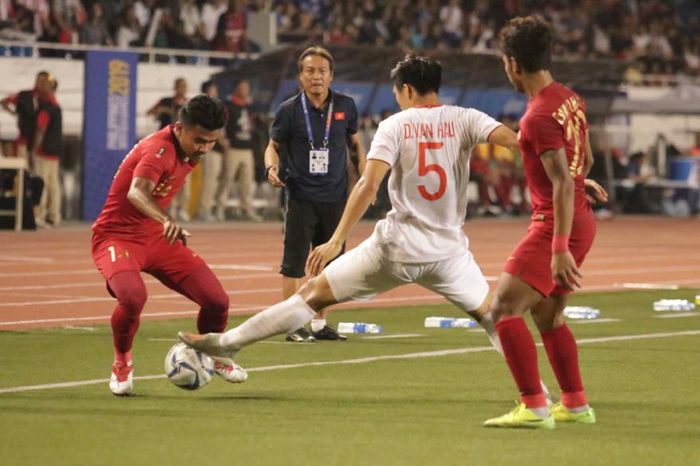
{"points": [[563, 356], [521, 356], [202, 287], [130, 291]]}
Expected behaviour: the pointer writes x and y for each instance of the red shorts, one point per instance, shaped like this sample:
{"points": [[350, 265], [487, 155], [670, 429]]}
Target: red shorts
{"points": [[173, 262], [532, 259]]}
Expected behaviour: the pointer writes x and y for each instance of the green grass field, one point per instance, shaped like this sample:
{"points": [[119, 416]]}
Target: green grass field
{"points": [[416, 408]]}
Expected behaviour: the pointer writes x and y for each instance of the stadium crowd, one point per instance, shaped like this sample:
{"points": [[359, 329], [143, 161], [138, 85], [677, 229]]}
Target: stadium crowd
{"points": [[657, 36]]}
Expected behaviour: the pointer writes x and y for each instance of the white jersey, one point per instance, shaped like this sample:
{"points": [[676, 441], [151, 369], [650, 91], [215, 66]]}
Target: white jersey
{"points": [[428, 149]]}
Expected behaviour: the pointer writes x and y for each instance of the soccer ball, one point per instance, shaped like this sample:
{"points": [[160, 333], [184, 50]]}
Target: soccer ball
{"points": [[187, 368]]}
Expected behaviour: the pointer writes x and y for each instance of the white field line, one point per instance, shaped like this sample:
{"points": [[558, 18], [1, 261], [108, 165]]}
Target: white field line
{"points": [[396, 335], [146, 279], [431, 298], [365, 360], [591, 321], [33, 260], [677, 315], [110, 299]]}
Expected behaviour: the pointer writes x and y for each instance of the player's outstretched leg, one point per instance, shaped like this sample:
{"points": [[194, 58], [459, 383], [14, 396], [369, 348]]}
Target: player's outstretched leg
{"points": [[283, 317], [204, 288]]}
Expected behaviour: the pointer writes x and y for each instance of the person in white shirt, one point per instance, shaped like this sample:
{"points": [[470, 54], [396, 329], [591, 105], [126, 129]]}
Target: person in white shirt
{"points": [[427, 146]]}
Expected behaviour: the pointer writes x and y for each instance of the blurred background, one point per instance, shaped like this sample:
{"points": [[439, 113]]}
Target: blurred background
{"points": [[636, 62]]}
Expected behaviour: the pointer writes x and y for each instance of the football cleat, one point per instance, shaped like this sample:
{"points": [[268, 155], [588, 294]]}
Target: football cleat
{"points": [[328, 333], [232, 373], [561, 414], [300, 335], [522, 417], [208, 344], [121, 381]]}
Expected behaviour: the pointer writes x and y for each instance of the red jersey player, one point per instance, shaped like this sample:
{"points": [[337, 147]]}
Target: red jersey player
{"points": [[134, 233], [543, 269]]}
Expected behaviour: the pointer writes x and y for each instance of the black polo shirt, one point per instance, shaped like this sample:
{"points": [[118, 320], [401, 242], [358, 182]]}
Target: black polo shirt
{"points": [[289, 129]]}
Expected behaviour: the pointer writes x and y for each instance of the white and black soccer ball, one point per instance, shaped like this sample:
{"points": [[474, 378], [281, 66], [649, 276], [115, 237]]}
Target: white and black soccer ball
{"points": [[188, 368]]}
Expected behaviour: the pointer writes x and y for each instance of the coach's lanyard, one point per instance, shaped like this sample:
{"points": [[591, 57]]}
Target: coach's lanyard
{"points": [[309, 132]]}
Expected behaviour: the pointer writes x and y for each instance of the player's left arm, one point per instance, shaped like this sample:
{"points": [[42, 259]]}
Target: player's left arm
{"points": [[361, 197], [564, 270], [357, 151], [594, 191]]}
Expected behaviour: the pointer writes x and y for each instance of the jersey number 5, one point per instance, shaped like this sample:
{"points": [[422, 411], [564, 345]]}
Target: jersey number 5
{"points": [[425, 168]]}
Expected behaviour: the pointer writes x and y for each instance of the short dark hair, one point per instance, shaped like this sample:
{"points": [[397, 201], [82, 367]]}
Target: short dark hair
{"points": [[423, 73], [317, 51], [206, 85], [204, 111], [528, 39], [43, 74]]}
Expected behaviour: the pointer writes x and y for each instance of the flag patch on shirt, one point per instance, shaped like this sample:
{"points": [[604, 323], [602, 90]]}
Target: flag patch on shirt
{"points": [[338, 116]]}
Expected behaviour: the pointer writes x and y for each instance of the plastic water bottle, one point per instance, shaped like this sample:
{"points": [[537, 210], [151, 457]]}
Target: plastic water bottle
{"points": [[449, 322], [673, 305], [581, 312], [359, 327]]}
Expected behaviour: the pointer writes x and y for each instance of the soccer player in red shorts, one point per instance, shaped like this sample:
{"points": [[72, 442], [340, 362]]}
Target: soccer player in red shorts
{"points": [[134, 233], [543, 269]]}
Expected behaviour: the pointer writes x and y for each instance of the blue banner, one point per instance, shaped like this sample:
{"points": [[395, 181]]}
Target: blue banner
{"points": [[109, 122]]}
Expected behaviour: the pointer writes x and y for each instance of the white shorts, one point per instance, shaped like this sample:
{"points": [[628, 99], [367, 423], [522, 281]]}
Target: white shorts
{"points": [[364, 272]]}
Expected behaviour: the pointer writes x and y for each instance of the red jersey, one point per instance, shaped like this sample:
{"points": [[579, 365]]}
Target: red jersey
{"points": [[554, 118], [156, 158]]}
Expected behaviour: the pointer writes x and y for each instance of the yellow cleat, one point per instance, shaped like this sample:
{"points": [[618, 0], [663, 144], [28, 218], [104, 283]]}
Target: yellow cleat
{"points": [[561, 414], [522, 417]]}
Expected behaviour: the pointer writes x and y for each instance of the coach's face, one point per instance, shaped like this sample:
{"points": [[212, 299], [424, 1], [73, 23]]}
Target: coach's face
{"points": [[196, 141], [315, 75], [513, 72]]}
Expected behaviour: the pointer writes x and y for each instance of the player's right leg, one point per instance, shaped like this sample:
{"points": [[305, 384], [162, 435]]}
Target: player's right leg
{"points": [[562, 353], [120, 262], [129, 290], [512, 299]]}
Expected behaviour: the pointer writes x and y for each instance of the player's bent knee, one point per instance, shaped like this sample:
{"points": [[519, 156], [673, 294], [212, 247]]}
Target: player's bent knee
{"points": [[317, 293]]}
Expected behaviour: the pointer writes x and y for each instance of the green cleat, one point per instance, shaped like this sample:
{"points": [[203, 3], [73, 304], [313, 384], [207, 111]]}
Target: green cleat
{"points": [[561, 414], [522, 417]]}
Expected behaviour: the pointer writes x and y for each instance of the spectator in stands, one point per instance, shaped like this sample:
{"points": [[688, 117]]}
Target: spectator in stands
{"points": [[129, 32], [230, 31], [211, 12], [635, 195], [190, 20], [143, 9], [46, 154], [24, 105], [212, 164], [166, 111], [94, 31], [239, 165]]}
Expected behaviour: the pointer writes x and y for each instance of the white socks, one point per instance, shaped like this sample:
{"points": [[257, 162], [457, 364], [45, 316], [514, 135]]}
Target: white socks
{"points": [[490, 327], [317, 324], [283, 317]]}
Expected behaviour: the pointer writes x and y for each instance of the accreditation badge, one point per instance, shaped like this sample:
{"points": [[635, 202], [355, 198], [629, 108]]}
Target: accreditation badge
{"points": [[318, 162]]}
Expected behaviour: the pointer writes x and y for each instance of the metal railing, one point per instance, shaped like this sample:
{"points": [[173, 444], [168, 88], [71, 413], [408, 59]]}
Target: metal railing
{"points": [[146, 54]]}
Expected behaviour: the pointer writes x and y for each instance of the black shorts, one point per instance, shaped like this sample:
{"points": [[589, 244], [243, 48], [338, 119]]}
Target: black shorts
{"points": [[307, 224]]}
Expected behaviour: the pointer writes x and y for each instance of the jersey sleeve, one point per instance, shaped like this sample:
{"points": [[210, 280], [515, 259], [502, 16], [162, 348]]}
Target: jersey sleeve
{"points": [[385, 144], [352, 119], [544, 133], [479, 126], [152, 164], [281, 125]]}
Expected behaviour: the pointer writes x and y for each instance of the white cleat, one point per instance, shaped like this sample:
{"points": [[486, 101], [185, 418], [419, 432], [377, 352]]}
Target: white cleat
{"points": [[121, 381], [232, 373], [208, 344]]}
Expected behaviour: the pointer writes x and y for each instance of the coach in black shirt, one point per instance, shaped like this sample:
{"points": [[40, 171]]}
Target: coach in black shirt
{"points": [[315, 128]]}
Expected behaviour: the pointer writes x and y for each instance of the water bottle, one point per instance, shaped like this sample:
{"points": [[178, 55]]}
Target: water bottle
{"points": [[449, 322], [359, 327], [673, 305], [581, 312]]}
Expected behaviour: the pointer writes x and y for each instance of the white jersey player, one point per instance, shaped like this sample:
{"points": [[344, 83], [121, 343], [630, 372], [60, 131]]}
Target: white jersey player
{"points": [[427, 147]]}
